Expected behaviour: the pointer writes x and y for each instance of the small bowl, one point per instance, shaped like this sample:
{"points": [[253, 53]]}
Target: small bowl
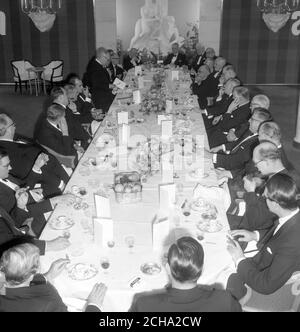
{"points": [[151, 268]]}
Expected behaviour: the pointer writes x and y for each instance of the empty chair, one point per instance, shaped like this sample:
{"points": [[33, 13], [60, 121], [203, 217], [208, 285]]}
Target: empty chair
{"points": [[21, 74], [53, 72], [287, 298]]}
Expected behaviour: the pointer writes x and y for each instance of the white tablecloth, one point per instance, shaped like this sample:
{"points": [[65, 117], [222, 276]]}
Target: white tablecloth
{"points": [[133, 220]]}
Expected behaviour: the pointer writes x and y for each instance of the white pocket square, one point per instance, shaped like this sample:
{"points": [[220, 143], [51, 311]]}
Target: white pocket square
{"points": [[269, 250]]}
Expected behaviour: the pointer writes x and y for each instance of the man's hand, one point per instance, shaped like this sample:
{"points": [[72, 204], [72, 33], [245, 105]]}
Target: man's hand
{"points": [[223, 174], [72, 106], [217, 149], [234, 249], [233, 106], [231, 136], [97, 295], [66, 199], [58, 244], [41, 160], [249, 185], [56, 268], [22, 198], [216, 120], [245, 236], [111, 86]]}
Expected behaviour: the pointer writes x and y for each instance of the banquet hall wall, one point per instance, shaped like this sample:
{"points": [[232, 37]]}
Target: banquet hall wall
{"points": [[71, 39]]}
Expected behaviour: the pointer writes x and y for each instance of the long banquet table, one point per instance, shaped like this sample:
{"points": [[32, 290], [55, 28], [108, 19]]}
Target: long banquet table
{"points": [[134, 219]]}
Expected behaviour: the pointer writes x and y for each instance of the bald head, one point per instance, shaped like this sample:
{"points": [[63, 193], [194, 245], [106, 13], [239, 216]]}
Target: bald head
{"points": [[260, 101], [220, 62], [270, 131], [7, 127]]}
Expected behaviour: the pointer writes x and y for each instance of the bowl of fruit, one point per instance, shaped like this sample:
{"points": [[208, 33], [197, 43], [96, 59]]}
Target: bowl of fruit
{"points": [[128, 187]]}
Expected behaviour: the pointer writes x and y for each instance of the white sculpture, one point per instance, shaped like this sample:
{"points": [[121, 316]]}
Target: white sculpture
{"points": [[155, 30]]}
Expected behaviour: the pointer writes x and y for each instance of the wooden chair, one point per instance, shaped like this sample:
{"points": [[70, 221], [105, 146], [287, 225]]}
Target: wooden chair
{"points": [[285, 299], [20, 73], [68, 161], [53, 72]]}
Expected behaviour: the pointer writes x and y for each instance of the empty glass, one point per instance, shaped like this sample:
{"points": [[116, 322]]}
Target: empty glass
{"points": [[130, 241], [105, 264]]}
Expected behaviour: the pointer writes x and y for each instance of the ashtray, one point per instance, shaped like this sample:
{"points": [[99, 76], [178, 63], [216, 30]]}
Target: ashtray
{"points": [[82, 271], [61, 223], [151, 268]]}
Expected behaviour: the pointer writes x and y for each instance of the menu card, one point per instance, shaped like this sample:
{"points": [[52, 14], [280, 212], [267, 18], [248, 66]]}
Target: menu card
{"points": [[175, 75], [167, 196], [137, 98], [166, 129], [119, 84], [137, 70], [160, 232], [167, 171], [103, 231], [123, 118], [124, 133], [102, 205], [141, 83]]}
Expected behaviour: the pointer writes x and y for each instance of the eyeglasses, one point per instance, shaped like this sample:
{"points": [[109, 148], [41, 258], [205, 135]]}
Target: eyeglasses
{"points": [[268, 198], [11, 125], [255, 164]]}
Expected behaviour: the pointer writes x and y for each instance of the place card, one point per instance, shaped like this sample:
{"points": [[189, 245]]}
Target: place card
{"points": [[103, 231], [123, 118], [137, 70], [166, 129], [169, 106], [137, 98], [167, 193], [102, 205], [124, 134], [141, 83], [161, 117], [160, 232], [175, 75], [119, 84], [167, 171]]}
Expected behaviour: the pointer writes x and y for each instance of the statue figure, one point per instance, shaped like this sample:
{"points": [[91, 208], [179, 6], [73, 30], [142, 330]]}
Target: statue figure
{"points": [[155, 30]]}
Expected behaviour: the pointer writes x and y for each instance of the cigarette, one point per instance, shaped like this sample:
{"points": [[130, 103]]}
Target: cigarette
{"points": [[137, 280]]}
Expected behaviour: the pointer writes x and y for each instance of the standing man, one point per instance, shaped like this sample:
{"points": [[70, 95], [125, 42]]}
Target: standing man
{"points": [[98, 80]]}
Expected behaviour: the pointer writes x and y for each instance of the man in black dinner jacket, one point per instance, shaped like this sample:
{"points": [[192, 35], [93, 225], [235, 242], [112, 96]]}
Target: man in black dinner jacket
{"points": [[184, 267], [279, 246], [175, 58]]}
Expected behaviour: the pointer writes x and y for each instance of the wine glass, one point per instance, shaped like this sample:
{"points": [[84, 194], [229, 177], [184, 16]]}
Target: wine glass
{"points": [[111, 244], [130, 240], [105, 264]]}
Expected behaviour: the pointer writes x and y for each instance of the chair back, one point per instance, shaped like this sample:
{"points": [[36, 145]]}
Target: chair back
{"points": [[53, 71], [287, 298], [20, 72]]}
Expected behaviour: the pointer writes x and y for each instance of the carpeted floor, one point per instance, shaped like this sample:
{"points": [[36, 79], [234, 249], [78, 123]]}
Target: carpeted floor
{"points": [[25, 110]]}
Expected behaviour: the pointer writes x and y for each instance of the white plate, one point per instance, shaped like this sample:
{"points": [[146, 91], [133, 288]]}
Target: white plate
{"points": [[82, 271], [61, 223]]}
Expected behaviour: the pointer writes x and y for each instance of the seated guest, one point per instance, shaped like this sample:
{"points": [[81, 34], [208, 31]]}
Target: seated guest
{"points": [[27, 290], [19, 203], [175, 58], [131, 60], [115, 68], [279, 246], [199, 58], [53, 133], [184, 267], [31, 163], [270, 131], [11, 235], [201, 86], [237, 113], [98, 80], [214, 77], [234, 156], [222, 103], [228, 72], [257, 216], [210, 53], [258, 101]]}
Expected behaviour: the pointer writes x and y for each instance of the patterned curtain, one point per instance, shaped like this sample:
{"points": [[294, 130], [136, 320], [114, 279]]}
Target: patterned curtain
{"points": [[72, 38], [260, 55]]}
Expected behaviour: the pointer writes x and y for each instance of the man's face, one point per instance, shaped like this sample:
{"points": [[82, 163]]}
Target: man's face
{"points": [[115, 60], [200, 49], [218, 64], [4, 168], [210, 53], [79, 85], [254, 123], [175, 48], [63, 98], [228, 88], [261, 165]]}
